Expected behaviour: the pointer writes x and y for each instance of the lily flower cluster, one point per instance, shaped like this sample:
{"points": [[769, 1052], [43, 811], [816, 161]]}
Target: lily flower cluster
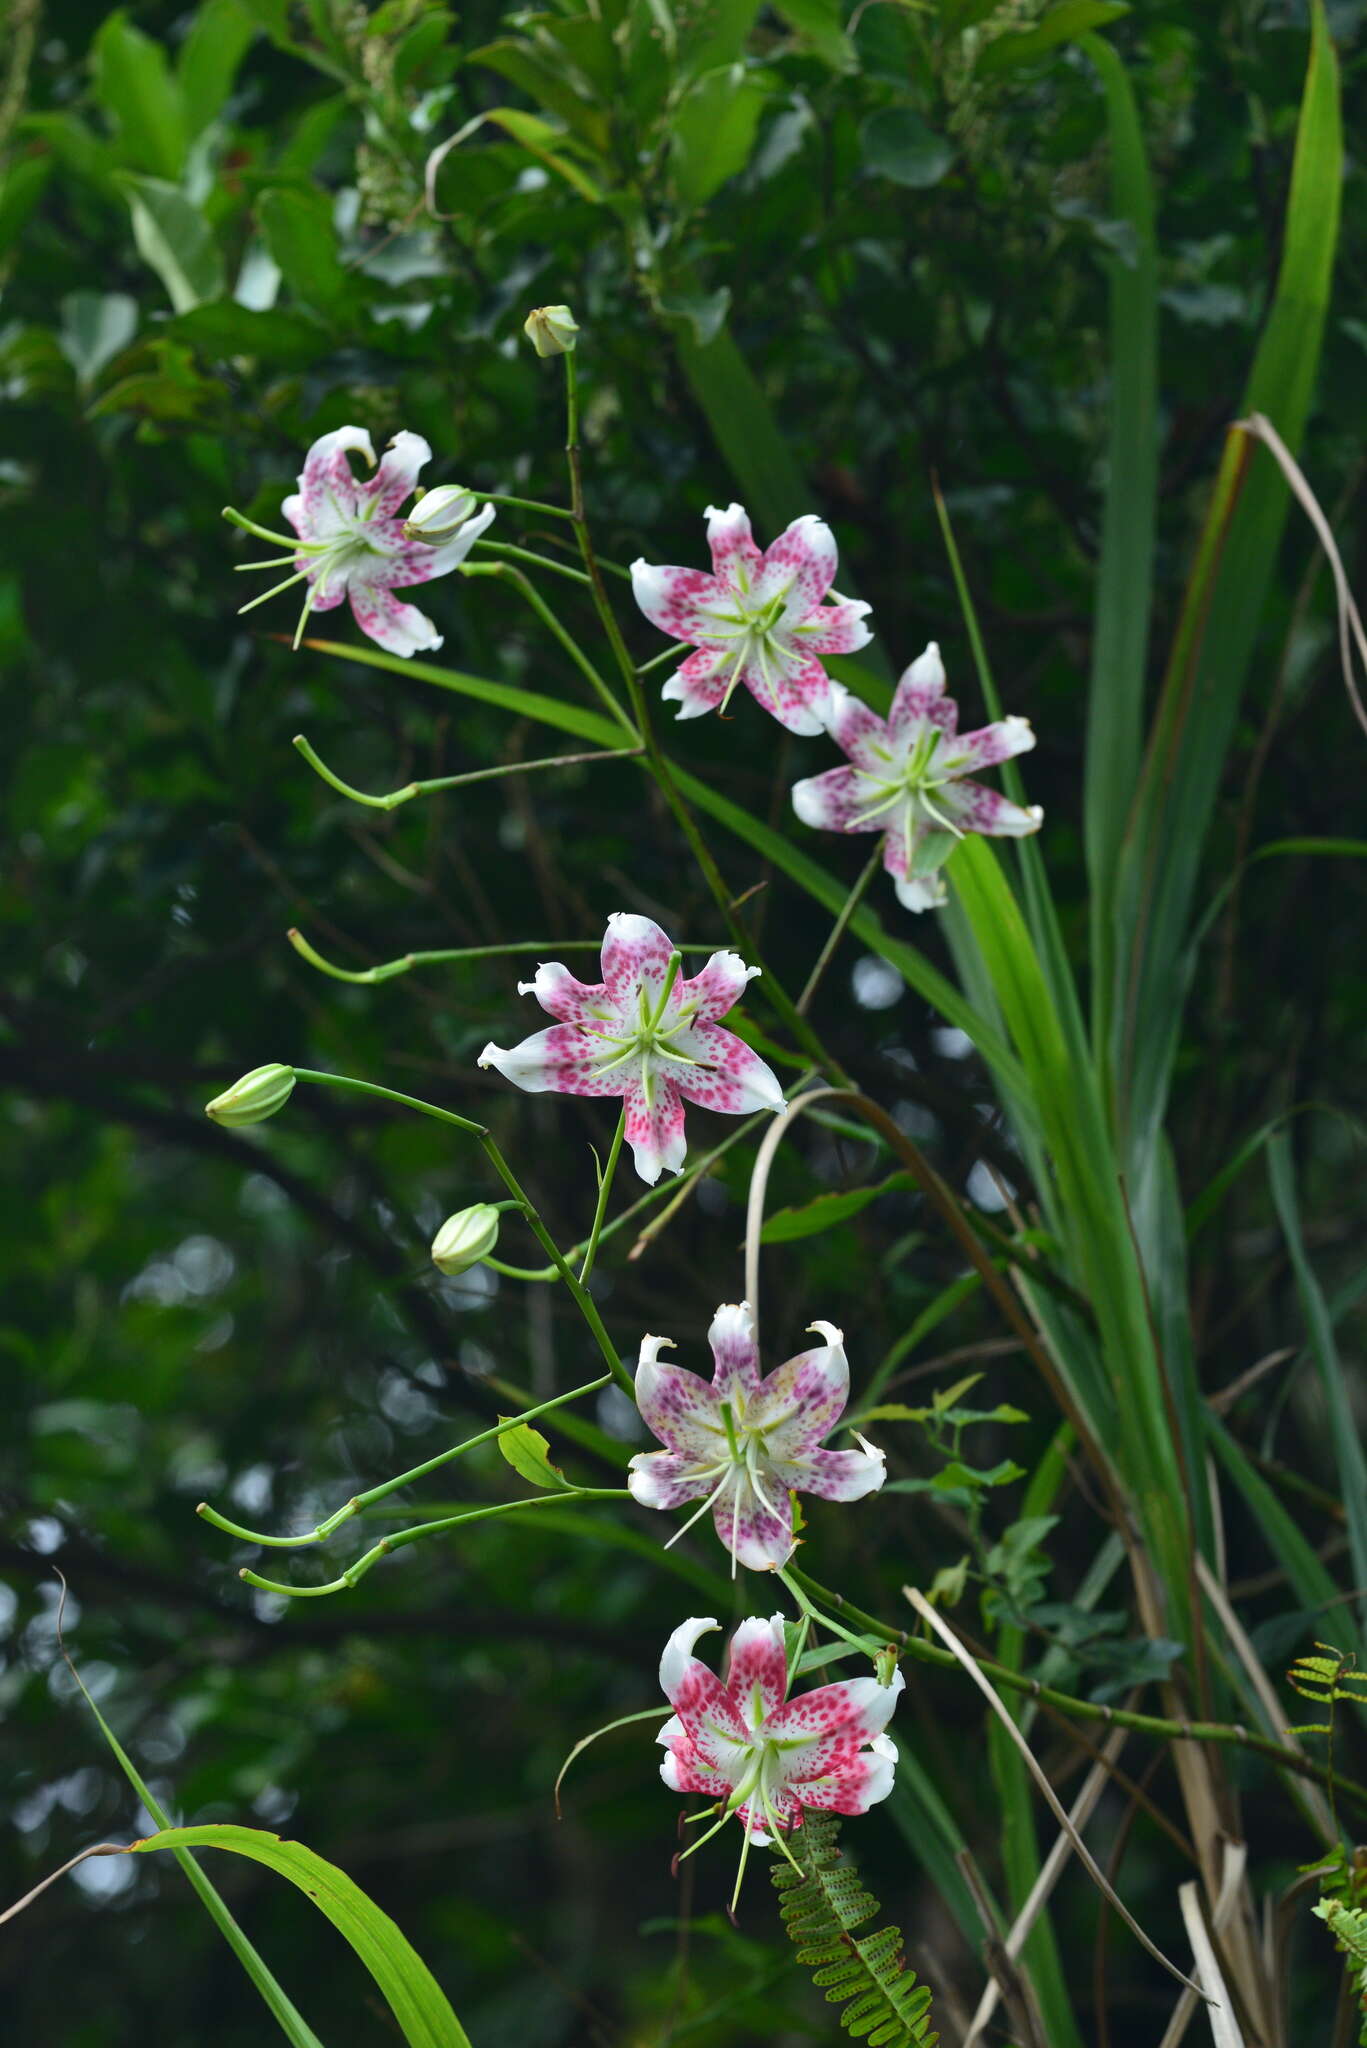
{"points": [[765, 620]]}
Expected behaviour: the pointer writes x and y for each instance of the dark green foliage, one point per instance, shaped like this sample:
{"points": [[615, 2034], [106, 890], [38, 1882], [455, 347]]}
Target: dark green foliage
{"points": [[821, 1910]]}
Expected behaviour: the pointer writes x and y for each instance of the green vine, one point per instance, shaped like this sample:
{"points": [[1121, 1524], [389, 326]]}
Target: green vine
{"points": [[822, 1901]]}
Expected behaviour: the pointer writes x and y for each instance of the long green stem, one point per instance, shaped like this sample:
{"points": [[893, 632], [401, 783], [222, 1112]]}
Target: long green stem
{"points": [[604, 1190], [583, 1299], [395, 797], [387, 969], [523, 504], [837, 931], [511, 573], [506, 551], [402, 1537], [359, 1502]]}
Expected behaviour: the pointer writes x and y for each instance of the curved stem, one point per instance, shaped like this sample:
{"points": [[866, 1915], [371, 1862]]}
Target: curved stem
{"points": [[511, 573], [837, 931], [359, 1502], [394, 797], [604, 1190], [523, 504]]}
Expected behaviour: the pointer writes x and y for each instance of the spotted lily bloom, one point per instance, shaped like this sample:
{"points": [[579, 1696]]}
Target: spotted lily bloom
{"points": [[744, 1445], [647, 1034], [758, 619], [765, 1757], [907, 779], [351, 540]]}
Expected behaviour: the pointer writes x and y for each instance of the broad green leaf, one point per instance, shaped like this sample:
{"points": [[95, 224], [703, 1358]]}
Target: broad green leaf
{"points": [[543, 142], [705, 312], [286, 340], [550, 88], [133, 84], [221, 33], [714, 34], [175, 239], [1062, 24], [819, 24], [21, 187], [95, 326], [528, 1452], [299, 232], [409, 1989], [956, 1474], [713, 129], [896, 143], [824, 1212]]}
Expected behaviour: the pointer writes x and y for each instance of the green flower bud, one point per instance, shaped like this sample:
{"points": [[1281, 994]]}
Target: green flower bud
{"points": [[465, 1238], [551, 330], [439, 514], [255, 1097]]}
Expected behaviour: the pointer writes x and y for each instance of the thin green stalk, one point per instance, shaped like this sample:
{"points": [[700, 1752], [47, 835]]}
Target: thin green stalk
{"points": [[523, 504], [359, 1502], [394, 797], [509, 553], [402, 1537], [387, 969], [604, 1190], [837, 931], [513, 574]]}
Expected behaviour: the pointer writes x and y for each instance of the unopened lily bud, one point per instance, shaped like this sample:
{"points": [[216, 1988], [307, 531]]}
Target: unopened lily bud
{"points": [[551, 330], [465, 1238], [439, 514], [255, 1097]]}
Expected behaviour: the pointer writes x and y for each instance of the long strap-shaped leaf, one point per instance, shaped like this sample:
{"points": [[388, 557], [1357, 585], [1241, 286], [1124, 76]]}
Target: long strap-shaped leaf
{"points": [[1218, 628], [410, 1990]]}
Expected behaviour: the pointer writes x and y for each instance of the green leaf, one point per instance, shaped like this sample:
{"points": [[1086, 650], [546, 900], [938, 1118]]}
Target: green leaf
{"points": [[528, 1452], [550, 87], [133, 84], [95, 326], [713, 130], [407, 1985], [175, 239], [824, 1212], [897, 144], [705, 312], [818, 23], [21, 187], [543, 142], [221, 33], [287, 341], [957, 1474], [299, 232], [1062, 24]]}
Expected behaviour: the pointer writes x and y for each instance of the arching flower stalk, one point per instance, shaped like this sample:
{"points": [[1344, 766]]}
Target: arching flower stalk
{"points": [[907, 779], [352, 540], [646, 1033], [758, 619], [742, 1743], [744, 1445]]}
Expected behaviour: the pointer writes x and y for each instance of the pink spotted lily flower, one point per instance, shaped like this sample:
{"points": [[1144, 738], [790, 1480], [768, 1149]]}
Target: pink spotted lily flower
{"points": [[350, 539], [647, 1034], [758, 619], [744, 1445], [765, 1757], [907, 779]]}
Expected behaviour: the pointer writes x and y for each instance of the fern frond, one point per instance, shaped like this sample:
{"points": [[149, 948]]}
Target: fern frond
{"points": [[822, 1902], [1329, 1678]]}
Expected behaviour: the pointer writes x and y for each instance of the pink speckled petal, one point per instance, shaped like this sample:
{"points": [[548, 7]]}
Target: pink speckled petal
{"points": [[799, 1404], [913, 850], [655, 1128], [562, 995], [327, 590], [735, 1354], [850, 1712], [562, 1059], [683, 1411], [835, 628], [726, 1074], [716, 988], [920, 699], [854, 1785], [757, 1668], [976, 808], [400, 627], [736, 560], [787, 1815], [676, 599], [862, 734], [839, 801], [758, 1533], [328, 492], [663, 1479], [833, 1475], [699, 683], [700, 1700], [684, 1768], [796, 691], [799, 566], [991, 744], [396, 478], [635, 955]]}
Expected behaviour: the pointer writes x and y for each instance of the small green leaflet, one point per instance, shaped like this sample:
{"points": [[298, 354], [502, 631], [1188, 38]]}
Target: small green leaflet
{"points": [[528, 1452], [825, 1211]]}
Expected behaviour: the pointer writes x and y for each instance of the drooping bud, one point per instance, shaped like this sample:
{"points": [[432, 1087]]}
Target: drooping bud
{"points": [[465, 1238], [551, 330], [255, 1097], [439, 514]]}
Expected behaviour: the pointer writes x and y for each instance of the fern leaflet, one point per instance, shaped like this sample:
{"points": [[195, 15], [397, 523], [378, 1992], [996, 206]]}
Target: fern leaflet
{"points": [[821, 1908]]}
